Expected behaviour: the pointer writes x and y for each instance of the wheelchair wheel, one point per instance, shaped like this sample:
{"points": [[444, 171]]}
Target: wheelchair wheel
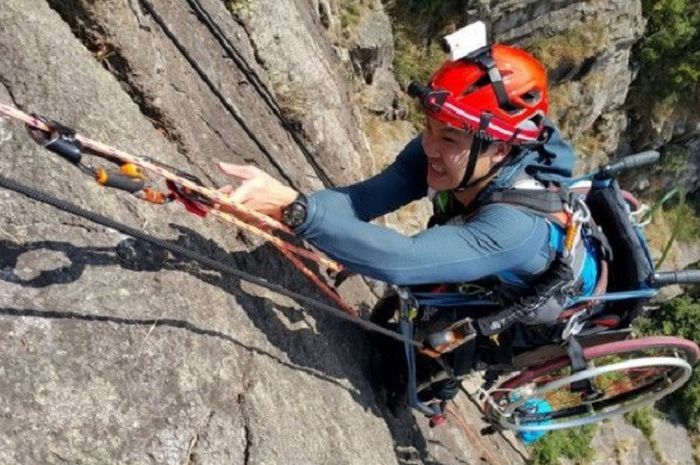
{"points": [[622, 376]]}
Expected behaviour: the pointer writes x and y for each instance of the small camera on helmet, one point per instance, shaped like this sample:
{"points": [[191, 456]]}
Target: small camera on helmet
{"points": [[467, 41]]}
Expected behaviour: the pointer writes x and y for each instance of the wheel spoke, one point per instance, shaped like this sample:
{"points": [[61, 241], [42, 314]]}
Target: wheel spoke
{"points": [[622, 380]]}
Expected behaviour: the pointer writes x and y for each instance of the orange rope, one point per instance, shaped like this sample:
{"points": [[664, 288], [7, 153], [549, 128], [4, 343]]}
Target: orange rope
{"points": [[316, 280], [144, 163], [287, 249], [328, 263]]}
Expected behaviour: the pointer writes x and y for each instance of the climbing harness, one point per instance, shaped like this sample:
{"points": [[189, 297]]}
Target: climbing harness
{"points": [[135, 175], [557, 291]]}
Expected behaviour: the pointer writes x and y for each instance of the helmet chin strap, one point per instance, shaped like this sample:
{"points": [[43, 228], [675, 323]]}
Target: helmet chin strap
{"points": [[467, 182], [478, 143], [474, 152]]}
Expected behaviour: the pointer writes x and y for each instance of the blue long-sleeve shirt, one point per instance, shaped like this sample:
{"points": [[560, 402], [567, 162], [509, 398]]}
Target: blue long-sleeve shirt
{"points": [[496, 239]]}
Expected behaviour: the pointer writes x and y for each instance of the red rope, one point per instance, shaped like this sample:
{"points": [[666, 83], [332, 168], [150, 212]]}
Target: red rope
{"points": [[470, 434], [324, 261], [290, 251], [149, 166], [325, 288]]}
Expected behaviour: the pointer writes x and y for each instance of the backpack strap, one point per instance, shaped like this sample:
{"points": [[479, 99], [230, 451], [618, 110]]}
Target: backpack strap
{"points": [[549, 203], [566, 211]]}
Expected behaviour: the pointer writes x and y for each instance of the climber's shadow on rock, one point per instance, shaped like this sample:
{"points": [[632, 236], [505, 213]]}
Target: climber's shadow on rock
{"points": [[301, 344], [335, 349], [78, 259]]}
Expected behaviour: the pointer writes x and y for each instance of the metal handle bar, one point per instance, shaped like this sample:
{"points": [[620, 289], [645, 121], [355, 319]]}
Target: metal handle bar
{"points": [[667, 278], [633, 161]]}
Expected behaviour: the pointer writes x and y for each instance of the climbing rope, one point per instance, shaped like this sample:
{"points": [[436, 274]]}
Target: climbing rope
{"points": [[192, 255], [69, 140]]}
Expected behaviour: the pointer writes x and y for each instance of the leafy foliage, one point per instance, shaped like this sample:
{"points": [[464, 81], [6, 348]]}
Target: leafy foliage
{"points": [[570, 47], [413, 62], [674, 160], [236, 7], [350, 13], [574, 444], [686, 215], [418, 27], [680, 317], [669, 54], [642, 420]]}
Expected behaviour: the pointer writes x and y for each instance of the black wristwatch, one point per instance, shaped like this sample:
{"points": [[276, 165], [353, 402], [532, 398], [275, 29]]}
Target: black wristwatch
{"points": [[294, 214]]}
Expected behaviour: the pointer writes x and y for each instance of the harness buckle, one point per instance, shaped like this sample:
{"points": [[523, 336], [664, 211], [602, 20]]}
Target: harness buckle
{"points": [[574, 326], [578, 210]]}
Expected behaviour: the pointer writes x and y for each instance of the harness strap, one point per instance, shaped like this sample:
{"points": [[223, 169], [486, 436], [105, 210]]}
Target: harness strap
{"points": [[480, 140], [554, 283], [549, 203], [474, 152], [578, 363], [597, 233]]}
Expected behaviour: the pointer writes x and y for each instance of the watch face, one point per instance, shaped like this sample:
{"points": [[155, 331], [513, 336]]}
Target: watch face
{"points": [[294, 215]]}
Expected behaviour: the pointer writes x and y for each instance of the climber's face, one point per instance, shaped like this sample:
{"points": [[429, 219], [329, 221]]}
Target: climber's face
{"points": [[447, 149]]}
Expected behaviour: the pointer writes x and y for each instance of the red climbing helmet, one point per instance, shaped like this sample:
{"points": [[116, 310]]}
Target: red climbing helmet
{"points": [[498, 92]]}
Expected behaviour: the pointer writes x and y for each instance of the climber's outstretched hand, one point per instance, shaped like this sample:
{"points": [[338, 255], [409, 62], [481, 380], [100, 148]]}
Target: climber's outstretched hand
{"points": [[257, 190]]}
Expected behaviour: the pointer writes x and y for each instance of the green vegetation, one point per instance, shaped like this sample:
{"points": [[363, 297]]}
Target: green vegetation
{"points": [[669, 81], [642, 420], [418, 27], [686, 215], [349, 13], [563, 54], [574, 444], [414, 62], [669, 53], [674, 160], [675, 214], [427, 20], [680, 317], [236, 7], [570, 47]]}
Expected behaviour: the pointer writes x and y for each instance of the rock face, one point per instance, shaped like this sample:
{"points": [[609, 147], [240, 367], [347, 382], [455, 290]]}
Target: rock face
{"points": [[107, 360], [617, 442], [586, 47], [307, 76]]}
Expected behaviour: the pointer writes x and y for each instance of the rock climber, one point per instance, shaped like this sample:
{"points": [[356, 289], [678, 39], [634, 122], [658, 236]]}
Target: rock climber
{"points": [[485, 131]]}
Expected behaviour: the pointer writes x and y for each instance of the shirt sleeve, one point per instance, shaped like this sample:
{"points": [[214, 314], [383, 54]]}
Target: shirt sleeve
{"points": [[399, 184], [497, 238]]}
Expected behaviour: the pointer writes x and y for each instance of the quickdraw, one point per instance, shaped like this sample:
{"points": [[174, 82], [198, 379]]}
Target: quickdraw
{"points": [[132, 175]]}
